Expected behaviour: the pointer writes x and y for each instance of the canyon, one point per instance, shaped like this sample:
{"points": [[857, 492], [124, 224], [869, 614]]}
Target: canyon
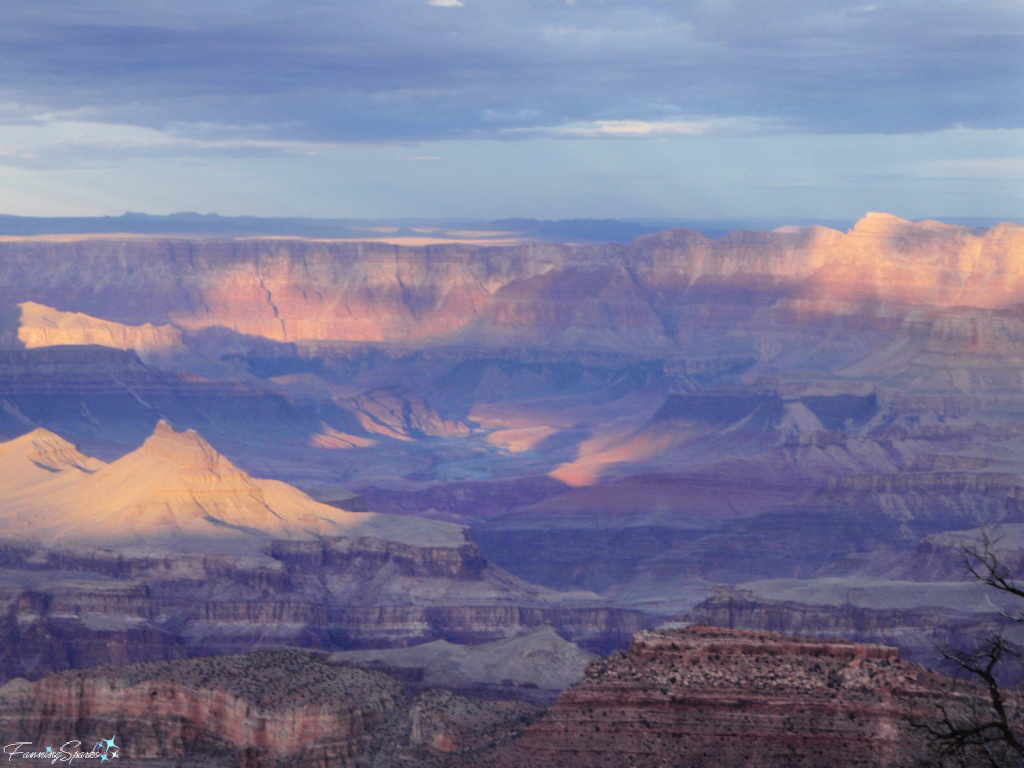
{"points": [[220, 444], [173, 551], [692, 697]]}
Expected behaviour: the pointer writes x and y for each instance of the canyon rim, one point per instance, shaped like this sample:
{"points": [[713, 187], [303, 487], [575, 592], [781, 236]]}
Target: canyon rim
{"points": [[439, 479]]}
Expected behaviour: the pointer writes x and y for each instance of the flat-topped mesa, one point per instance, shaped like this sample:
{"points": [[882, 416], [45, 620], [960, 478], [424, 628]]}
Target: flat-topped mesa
{"points": [[704, 696], [703, 657], [43, 326], [706, 642]]}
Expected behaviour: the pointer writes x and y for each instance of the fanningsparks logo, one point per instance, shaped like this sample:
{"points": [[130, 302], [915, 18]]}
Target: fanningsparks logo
{"points": [[103, 750]]}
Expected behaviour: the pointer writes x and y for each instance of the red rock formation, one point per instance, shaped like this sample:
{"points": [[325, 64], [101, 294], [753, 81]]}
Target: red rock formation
{"points": [[261, 709], [176, 486], [545, 295], [704, 697]]}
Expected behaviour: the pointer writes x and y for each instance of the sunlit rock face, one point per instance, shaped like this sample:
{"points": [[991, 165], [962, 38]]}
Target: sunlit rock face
{"points": [[173, 550], [42, 326], [605, 296], [175, 487], [701, 696]]}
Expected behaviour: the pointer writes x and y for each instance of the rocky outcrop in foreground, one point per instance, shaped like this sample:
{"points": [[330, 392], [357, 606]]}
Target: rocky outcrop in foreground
{"points": [[692, 698], [704, 697], [259, 709]]}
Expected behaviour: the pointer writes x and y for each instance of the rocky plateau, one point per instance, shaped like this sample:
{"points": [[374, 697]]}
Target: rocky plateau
{"points": [[697, 697], [706, 696], [383, 446]]}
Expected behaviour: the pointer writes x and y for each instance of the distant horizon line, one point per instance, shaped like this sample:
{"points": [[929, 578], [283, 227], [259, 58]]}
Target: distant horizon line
{"points": [[583, 230]]}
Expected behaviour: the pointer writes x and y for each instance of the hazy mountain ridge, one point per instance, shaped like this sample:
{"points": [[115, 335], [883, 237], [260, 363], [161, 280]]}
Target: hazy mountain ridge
{"points": [[200, 225]]}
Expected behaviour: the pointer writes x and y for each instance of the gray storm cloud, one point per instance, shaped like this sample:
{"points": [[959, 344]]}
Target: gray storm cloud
{"points": [[404, 70]]}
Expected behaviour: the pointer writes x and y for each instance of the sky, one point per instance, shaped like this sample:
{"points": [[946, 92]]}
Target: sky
{"points": [[498, 108]]}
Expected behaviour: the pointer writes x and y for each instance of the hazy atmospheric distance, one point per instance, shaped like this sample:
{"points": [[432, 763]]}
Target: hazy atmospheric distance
{"points": [[539, 108]]}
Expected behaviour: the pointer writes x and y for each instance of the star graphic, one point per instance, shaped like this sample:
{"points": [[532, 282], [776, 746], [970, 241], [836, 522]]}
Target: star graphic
{"points": [[103, 758], [49, 749], [110, 743], [113, 755]]}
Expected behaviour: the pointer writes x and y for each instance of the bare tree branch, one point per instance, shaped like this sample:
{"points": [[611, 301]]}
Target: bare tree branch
{"points": [[992, 734]]}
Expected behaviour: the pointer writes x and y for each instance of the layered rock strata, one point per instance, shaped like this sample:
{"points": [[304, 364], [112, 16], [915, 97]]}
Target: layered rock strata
{"points": [[694, 393], [617, 296], [713, 697], [920, 632], [42, 326], [173, 550], [66, 609], [260, 709]]}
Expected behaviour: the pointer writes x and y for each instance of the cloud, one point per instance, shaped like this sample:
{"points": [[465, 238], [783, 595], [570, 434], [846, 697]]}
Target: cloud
{"points": [[308, 72], [639, 129], [65, 141], [973, 168]]}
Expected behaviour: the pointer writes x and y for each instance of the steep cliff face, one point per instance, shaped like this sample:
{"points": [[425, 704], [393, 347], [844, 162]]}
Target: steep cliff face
{"points": [[281, 290], [537, 294], [66, 609], [920, 632], [700, 697], [42, 326], [260, 709]]}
